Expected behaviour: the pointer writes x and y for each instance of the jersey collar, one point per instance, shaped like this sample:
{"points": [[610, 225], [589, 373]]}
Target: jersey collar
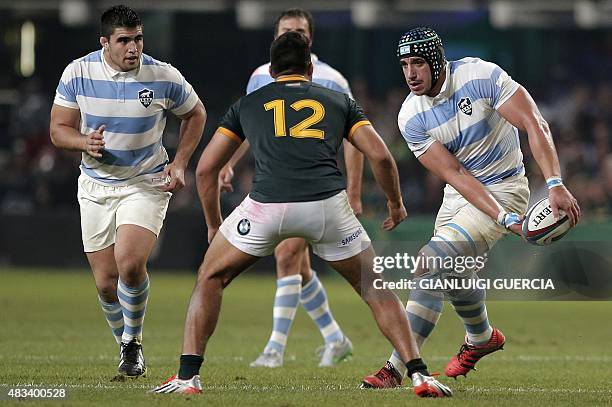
{"points": [[287, 78], [444, 90]]}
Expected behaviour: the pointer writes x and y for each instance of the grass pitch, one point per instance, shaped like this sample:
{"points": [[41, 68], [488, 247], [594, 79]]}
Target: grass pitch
{"points": [[52, 334]]}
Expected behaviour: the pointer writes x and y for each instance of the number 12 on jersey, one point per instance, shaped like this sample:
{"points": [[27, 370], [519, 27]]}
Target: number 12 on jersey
{"points": [[302, 129]]}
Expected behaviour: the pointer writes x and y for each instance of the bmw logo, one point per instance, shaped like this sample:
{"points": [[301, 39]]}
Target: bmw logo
{"points": [[244, 227]]}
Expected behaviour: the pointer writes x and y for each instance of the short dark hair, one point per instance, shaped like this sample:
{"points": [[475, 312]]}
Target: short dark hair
{"points": [[290, 53], [296, 13], [118, 16]]}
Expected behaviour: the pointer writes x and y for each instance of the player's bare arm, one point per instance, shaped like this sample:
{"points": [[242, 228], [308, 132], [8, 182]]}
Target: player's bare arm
{"points": [[353, 159], [367, 140], [216, 154], [192, 127], [227, 172], [64, 131], [522, 112], [442, 163]]}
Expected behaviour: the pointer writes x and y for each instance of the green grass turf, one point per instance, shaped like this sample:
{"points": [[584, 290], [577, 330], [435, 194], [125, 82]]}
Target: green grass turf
{"points": [[52, 334]]}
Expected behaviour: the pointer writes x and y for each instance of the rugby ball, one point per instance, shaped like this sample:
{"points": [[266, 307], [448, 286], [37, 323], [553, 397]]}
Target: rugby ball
{"points": [[539, 226]]}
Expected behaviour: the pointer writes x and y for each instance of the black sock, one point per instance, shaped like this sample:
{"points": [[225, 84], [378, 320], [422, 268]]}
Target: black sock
{"points": [[190, 366], [417, 366]]}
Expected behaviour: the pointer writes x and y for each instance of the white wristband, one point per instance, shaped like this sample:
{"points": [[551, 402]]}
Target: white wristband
{"points": [[553, 182], [500, 218]]}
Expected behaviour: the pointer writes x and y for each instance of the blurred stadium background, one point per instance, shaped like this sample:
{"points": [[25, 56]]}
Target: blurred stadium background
{"points": [[560, 50]]}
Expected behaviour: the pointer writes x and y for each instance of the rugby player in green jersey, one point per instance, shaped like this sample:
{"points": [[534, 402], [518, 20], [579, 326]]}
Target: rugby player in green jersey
{"points": [[295, 129]]}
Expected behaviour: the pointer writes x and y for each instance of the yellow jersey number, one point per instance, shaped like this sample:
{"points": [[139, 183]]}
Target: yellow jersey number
{"points": [[302, 129]]}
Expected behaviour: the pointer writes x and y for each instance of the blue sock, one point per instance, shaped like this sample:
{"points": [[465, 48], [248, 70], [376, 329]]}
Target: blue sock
{"points": [[423, 309], [285, 304], [471, 308], [133, 302], [114, 317], [314, 300]]}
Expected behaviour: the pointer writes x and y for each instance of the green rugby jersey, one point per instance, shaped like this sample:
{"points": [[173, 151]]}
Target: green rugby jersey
{"points": [[295, 128]]}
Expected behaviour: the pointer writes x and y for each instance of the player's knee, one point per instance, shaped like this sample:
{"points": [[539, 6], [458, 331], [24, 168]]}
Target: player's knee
{"points": [[210, 277], [288, 260], [107, 290], [374, 297], [131, 269]]}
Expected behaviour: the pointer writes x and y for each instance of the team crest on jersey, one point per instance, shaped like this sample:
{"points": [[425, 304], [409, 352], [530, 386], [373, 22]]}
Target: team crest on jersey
{"points": [[146, 97], [465, 104], [244, 227]]}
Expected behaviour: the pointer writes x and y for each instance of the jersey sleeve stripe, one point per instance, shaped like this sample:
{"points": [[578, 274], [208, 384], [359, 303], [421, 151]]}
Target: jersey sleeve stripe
{"points": [[230, 134], [356, 126]]}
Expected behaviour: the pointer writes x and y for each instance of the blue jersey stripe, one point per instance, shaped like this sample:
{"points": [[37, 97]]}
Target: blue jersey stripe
{"points": [[415, 138], [108, 180], [102, 89], [129, 158], [494, 178], [438, 115], [487, 158], [148, 60], [95, 56], [456, 64], [68, 94], [124, 125], [469, 135]]}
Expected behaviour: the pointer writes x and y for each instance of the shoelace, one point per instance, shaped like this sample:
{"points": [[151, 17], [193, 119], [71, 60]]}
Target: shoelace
{"points": [[385, 373], [465, 348]]}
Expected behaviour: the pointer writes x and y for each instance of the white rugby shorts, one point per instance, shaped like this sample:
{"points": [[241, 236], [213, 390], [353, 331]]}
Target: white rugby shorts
{"points": [[329, 225], [105, 207], [460, 221]]}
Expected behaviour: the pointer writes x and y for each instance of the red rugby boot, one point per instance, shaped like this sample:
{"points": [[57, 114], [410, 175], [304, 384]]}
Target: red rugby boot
{"points": [[468, 355]]}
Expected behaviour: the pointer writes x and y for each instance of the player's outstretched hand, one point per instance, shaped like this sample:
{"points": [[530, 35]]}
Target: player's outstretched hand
{"points": [[560, 198], [225, 179], [175, 174], [94, 142], [397, 213]]}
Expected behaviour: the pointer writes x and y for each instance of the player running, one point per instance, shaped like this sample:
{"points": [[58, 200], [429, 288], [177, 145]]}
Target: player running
{"points": [[112, 106], [295, 128], [461, 121]]}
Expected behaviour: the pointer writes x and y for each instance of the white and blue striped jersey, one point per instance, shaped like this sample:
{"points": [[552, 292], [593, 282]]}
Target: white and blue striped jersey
{"points": [[322, 74], [133, 106], [464, 118]]}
